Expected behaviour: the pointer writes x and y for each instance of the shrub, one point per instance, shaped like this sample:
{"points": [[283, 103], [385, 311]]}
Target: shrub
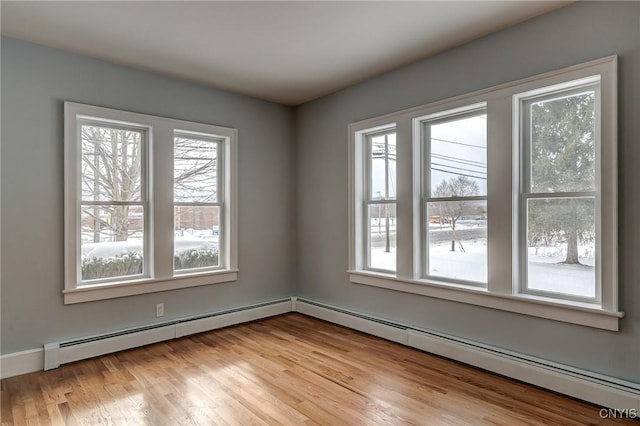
{"points": [[196, 258], [106, 267], [131, 263]]}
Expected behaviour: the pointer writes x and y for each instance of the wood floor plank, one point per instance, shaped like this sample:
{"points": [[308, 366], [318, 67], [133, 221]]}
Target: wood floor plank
{"points": [[286, 370]]}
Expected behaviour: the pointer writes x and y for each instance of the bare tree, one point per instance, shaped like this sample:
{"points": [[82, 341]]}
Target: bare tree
{"points": [[195, 176], [112, 172], [452, 211], [195, 170], [459, 186], [111, 167]]}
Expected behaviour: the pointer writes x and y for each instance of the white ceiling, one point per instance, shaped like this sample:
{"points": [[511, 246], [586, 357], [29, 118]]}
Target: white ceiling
{"points": [[286, 52]]}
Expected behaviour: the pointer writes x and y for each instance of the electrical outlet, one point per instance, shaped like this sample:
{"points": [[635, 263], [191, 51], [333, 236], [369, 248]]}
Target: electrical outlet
{"points": [[160, 310]]}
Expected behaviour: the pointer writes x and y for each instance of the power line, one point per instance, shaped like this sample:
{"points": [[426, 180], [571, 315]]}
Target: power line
{"points": [[458, 143], [459, 174], [460, 160], [458, 168]]}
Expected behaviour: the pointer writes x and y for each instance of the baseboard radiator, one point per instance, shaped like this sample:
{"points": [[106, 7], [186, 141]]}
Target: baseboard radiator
{"points": [[58, 353], [592, 387], [599, 389]]}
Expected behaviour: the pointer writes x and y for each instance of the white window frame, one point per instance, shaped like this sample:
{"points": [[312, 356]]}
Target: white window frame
{"points": [[159, 219], [362, 193], [220, 198], [144, 195], [503, 193], [427, 197], [522, 104], [370, 199]]}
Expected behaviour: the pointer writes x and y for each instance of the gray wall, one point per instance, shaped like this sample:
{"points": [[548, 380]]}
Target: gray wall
{"points": [[293, 170], [574, 34], [35, 82]]}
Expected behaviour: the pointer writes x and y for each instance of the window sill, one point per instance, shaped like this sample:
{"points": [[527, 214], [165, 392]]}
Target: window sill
{"points": [[88, 293], [565, 311]]}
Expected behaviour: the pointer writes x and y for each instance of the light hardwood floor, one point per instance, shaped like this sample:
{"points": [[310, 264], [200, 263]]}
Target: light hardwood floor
{"points": [[288, 370]]}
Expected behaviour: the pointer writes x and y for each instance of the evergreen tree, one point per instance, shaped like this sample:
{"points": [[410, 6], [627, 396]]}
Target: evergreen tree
{"points": [[562, 160]]}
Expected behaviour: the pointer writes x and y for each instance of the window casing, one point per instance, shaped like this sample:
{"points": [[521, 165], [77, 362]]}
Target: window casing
{"points": [[121, 234], [502, 199]]}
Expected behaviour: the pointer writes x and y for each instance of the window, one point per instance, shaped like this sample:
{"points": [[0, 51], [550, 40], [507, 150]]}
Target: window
{"points": [[198, 202], [455, 195], [539, 154], [558, 193], [113, 203], [123, 173], [381, 207]]}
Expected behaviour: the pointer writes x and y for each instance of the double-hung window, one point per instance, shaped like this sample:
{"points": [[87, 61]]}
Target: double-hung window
{"points": [[380, 202], [198, 201], [503, 198], [374, 215], [454, 195], [559, 197], [150, 203], [113, 201]]}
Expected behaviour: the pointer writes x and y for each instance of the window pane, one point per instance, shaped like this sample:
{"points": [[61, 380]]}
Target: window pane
{"points": [[197, 237], [563, 150], [112, 241], [383, 167], [382, 236], [458, 162], [457, 240], [195, 170], [561, 246], [111, 164]]}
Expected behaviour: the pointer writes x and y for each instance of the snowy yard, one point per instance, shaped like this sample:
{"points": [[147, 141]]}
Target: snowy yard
{"points": [[192, 249], [121, 248], [546, 272]]}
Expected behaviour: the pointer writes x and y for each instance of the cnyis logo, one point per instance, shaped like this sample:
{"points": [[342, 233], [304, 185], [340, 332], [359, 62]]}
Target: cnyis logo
{"points": [[619, 413]]}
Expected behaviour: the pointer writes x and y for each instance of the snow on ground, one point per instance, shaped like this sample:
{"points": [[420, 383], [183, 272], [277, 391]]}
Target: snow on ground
{"points": [[577, 280], [121, 248], [548, 273], [545, 268], [111, 249], [383, 260], [468, 266]]}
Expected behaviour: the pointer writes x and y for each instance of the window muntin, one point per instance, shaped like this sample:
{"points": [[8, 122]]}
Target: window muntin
{"points": [[558, 206], [112, 202], [380, 233], [454, 199], [198, 202]]}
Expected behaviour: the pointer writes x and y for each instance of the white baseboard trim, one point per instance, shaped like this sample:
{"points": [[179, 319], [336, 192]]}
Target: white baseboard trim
{"points": [[376, 328], [602, 390], [58, 353], [18, 363], [232, 318], [599, 389]]}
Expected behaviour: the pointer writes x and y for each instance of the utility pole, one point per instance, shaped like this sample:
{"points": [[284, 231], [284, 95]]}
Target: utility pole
{"points": [[386, 191]]}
